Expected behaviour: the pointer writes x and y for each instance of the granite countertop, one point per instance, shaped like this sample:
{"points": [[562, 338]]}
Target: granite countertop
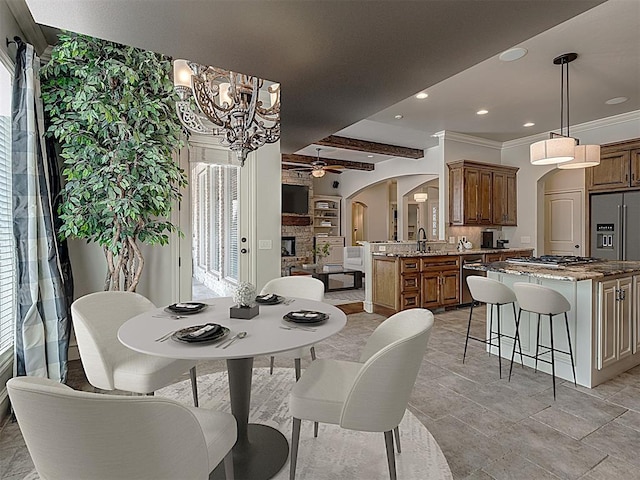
{"points": [[435, 253], [574, 273]]}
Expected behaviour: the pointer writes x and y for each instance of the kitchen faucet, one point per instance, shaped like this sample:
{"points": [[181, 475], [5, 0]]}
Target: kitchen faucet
{"points": [[422, 240]]}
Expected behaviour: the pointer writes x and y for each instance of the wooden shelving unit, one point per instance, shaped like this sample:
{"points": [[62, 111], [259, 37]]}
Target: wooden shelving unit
{"points": [[326, 216]]}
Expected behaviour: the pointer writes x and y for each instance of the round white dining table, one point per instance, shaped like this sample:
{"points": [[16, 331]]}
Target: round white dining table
{"points": [[260, 451]]}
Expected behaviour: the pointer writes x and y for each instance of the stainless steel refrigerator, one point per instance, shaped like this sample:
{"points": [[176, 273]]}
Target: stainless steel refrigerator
{"points": [[615, 226]]}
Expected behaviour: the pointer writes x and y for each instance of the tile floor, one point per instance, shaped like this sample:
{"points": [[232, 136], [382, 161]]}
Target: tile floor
{"points": [[488, 428]]}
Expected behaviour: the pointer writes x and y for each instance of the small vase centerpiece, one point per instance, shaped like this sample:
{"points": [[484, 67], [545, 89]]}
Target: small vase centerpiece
{"points": [[246, 307]]}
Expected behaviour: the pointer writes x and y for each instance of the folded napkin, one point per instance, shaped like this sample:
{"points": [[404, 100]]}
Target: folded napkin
{"points": [[269, 299], [306, 316], [188, 306]]}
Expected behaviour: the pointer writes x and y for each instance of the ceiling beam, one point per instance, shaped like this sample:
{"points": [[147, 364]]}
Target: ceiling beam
{"points": [[370, 147], [307, 160]]}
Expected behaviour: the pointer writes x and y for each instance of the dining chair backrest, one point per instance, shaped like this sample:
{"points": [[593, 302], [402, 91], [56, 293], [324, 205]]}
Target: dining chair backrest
{"points": [[538, 299], [96, 319], [300, 286], [379, 395], [72, 434], [490, 291]]}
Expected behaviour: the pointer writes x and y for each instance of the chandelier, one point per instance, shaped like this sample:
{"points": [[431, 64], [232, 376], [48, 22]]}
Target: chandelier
{"points": [[561, 149], [231, 102]]}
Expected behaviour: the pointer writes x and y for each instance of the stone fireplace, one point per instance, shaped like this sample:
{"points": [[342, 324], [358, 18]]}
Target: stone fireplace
{"points": [[288, 248]]}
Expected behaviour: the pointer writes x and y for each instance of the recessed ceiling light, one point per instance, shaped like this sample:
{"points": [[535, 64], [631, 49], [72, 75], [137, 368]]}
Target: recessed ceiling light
{"points": [[422, 95], [513, 54], [398, 117], [616, 100], [528, 124], [482, 112], [369, 156]]}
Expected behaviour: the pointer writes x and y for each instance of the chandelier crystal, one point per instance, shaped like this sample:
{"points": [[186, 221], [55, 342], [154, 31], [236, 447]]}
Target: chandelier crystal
{"points": [[231, 102]]}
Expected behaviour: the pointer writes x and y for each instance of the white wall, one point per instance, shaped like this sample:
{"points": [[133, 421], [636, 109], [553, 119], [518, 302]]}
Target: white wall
{"points": [[531, 192], [377, 218], [353, 181]]}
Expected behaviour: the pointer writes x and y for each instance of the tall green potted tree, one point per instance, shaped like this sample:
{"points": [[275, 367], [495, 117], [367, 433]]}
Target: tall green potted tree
{"points": [[111, 109]]}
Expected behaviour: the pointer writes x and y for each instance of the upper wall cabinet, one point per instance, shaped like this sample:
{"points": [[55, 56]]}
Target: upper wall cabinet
{"points": [[619, 167], [482, 194]]}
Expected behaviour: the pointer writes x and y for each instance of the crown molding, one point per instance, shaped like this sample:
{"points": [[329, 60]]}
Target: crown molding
{"points": [[577, 129], [469, 139]]}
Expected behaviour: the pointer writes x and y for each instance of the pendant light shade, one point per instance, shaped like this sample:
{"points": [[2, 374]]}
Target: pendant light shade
{"points": [[585, 156], [552, 151], [562, 149]]}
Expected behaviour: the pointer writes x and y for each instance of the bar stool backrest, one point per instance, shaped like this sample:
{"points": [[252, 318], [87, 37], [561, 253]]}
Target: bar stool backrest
{"points": [[539, 299], [490, 291]]}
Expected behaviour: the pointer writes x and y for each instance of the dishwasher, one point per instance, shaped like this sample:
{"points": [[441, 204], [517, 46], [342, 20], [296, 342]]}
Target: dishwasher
{"points": [[465, 297]]}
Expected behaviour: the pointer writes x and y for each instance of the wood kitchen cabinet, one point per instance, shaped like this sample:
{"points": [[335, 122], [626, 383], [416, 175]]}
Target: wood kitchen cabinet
{"points": [[440, 281], [619, 168], [482, 194], [615, 324], [409, 283], [504, 192], [400, 283]]}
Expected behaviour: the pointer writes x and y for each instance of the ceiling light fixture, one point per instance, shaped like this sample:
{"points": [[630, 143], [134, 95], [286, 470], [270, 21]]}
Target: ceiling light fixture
{"points": [[528, 124], [513, 54], [616, 100], [398, 117], [422, 95], [561, 148], [230, 101], [369, 156], [318, 173], [420, 197], [482, 112]]}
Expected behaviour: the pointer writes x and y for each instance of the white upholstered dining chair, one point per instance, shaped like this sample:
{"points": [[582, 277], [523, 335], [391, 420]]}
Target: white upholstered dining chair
{"points": [[73, 435], [108, 364], [370, 395], [301, 286]]}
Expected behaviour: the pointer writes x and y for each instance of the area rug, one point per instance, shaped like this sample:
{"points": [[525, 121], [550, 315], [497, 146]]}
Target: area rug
{"points": [[336, 453]]}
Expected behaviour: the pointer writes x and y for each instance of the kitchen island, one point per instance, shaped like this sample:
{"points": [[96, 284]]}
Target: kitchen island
{"points": [[433, 279], [604, 319]]}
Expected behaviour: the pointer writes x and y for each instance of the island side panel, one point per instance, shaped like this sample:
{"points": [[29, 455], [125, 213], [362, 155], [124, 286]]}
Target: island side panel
{"points": [[580, 296]]}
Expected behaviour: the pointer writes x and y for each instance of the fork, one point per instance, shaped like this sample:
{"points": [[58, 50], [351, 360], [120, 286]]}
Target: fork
{"points": [[164, 337], [175, 317], [289, 301], [306, 329]]}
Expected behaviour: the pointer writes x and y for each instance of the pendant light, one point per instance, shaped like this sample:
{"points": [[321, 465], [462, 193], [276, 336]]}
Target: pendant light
{"points": [[562, 149]]}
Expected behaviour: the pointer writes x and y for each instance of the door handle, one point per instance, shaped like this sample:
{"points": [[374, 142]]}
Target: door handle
{"points": [[576, 246]]}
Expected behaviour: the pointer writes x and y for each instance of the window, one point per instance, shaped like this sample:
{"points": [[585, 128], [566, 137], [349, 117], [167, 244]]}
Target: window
{"points": [[7, 251], [215, 224]]}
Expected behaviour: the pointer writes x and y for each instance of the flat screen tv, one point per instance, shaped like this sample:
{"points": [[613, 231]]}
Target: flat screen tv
{"points": [[295, 199]]}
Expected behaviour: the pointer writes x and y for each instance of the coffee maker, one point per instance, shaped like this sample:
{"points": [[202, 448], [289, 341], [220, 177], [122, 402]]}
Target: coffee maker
{"points": [[487, 239]]}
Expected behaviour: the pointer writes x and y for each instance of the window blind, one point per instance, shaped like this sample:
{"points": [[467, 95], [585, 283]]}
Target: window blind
{"points": [[232, 225], [216, 214], [7, 251]]}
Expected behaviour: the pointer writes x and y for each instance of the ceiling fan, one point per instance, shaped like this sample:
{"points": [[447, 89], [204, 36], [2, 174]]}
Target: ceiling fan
{"points": [[319, 167]]}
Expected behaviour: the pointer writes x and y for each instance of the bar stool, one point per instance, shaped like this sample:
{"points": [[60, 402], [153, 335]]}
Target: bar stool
{"points": [[543, 301], [493, 293]]}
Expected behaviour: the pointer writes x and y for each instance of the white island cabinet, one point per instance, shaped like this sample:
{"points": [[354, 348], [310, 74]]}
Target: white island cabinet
{"points": [[604, 319]]}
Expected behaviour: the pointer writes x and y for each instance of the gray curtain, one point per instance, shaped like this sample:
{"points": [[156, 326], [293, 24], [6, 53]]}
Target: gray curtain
{"points": [[42, 323]]}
